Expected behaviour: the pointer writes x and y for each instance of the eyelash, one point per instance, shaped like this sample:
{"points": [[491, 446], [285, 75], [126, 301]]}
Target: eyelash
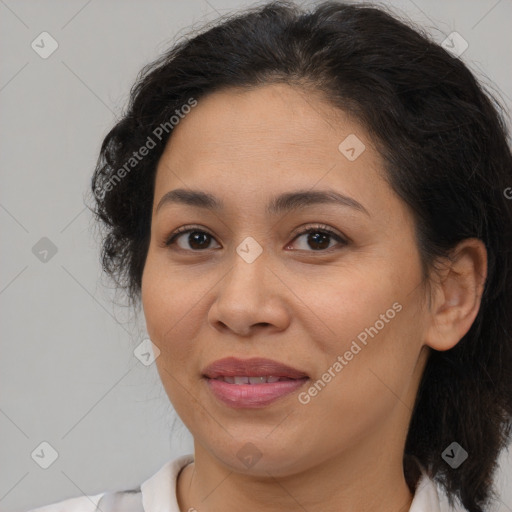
{"points": [[318, 228]]}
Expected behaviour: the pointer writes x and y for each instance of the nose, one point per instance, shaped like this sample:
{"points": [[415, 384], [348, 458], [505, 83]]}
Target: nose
{"points": [[250, 297]]}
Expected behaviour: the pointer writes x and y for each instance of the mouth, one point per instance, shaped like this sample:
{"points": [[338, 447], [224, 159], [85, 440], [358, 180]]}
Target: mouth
{"points": [[252, 383]]}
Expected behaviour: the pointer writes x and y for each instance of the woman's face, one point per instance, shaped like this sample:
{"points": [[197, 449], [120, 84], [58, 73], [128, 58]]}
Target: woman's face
{"points": [[346, 312]]}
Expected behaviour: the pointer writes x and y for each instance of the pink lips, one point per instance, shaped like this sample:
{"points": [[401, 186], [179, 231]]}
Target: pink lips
{"points": [[252, 395]]}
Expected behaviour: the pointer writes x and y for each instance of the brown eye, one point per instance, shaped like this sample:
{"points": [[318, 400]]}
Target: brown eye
{"points": [[197, 239], [319, 239]]}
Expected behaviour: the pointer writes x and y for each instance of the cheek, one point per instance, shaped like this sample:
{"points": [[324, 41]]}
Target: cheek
{"points": [[371, 383], [345, 304], [171, 305], [175, 309], [374, 337]]}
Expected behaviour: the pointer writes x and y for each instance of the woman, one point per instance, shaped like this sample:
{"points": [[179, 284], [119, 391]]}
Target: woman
{"points": [[312, 210]]}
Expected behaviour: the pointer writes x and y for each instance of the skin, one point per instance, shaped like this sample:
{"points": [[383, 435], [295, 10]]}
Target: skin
{"points": [[343, 450]]}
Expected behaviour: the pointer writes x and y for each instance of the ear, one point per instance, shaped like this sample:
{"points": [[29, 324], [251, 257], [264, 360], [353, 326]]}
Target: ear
{"points": [[456, 297]]}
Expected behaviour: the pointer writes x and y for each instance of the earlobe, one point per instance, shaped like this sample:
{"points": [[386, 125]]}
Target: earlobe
{"points": [[457, 295]]}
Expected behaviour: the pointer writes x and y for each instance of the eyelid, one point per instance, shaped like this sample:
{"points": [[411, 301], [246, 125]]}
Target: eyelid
{"points": [[185, 229], [305, 228]]}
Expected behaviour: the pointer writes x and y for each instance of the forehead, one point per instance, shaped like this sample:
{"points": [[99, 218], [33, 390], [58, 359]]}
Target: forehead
{"points": [[238, 124], [245, 143]]}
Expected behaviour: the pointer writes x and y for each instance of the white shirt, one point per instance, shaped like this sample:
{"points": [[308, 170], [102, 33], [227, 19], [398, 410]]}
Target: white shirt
{"points": [[159, 494]]}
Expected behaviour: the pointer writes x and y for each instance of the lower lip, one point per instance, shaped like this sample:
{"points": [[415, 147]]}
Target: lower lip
{"points": [[252, 396]]}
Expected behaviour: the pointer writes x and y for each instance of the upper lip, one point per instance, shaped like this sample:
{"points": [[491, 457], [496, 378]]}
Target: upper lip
{"points": [[254, 367]]}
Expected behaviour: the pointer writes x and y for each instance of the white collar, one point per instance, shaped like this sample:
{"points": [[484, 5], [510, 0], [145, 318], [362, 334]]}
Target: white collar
{"points": [[159, 491], [426, 497]]}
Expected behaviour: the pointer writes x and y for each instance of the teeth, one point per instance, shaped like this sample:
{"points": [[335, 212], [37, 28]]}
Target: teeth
{"points": [[251, 380], [257, 380]]}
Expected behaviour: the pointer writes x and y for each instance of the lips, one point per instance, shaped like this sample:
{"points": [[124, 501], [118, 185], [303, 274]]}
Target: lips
{"points": [[241, 371], [252, 383]]}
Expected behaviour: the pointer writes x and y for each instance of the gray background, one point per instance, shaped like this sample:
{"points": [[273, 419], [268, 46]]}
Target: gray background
{"points": [[68, 375]]}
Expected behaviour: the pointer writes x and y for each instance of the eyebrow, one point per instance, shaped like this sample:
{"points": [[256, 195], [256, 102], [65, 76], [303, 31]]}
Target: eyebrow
{"points": [[279, 204]]}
